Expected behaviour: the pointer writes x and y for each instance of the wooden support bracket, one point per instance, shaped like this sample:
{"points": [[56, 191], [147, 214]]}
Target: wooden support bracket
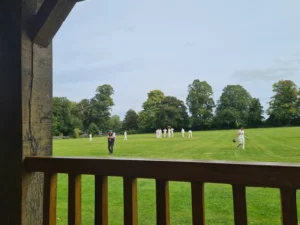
{"points": [[49, 19]]}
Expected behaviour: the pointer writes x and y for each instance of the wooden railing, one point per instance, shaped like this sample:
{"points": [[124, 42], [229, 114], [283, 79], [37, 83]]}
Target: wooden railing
{"points": [[286, 177]]}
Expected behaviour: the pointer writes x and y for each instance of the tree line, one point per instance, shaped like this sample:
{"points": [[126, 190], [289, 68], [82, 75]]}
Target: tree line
{"points": [[235, 107]]}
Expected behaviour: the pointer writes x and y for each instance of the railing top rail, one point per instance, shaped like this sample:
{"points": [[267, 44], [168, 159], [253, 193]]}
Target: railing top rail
{"points": [[257, 174]]}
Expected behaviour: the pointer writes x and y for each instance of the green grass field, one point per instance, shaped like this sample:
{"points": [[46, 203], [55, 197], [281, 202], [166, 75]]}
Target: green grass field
{"points": [[266, 145]]}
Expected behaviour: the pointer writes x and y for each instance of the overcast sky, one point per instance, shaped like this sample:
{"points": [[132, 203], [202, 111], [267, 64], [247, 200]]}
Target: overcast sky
{"points": [[137, 46]]}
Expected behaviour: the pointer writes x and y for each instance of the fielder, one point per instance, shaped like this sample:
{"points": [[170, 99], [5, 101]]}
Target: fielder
{"points": [[172, 132], [190, 134], [165, 132], [182, 132], [125, 135], [91, 137], [169, 132], [241, 138]]}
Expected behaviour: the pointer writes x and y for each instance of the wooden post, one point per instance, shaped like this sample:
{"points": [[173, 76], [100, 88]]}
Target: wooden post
{"points": [[26, 102], [25, 115], [11, 113]]}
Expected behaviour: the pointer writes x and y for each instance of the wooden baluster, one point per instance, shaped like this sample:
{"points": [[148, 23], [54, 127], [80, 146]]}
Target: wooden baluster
{"points": [[289, 206], [74, 207], [50, 196], [101, 200], [130, 201], [197, 189], [162, 203], [239, 202]]}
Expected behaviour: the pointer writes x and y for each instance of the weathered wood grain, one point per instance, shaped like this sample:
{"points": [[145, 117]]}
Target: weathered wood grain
{"points": [[36, 98], [26, 87]]}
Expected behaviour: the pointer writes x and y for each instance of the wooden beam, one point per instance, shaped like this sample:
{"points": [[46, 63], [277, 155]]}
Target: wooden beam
{"points": [[289, 206], [25, 115], [198, 210], [11, 113], [101, 200], [162, 202], [260, 174], [239, 205], [50, 199], [74, 200], [130, 201], [49, 19]]}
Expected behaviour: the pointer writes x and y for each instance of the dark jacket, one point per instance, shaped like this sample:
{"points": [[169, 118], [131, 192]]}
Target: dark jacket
{"points": [[110, 137]]}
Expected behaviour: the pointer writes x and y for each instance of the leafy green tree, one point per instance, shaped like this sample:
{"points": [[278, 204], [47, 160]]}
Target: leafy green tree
{"points": [[93, 129], [200, 102], [147, 117], [255, 118], [55, 126], [76, 133], [154, 100], [101, 105], [172, 112], [297, 119], [115, 123], [227, 118], [82, 110], [283, 105], [234, 104], [162, 111], [130, 121], [62, 116]]}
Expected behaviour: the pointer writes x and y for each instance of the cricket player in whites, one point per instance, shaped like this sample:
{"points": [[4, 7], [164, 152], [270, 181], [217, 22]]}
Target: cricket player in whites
{"points": [[241, 138], [125, 135], [190, 134], [165, 132], [182, 132], [172, 132]]}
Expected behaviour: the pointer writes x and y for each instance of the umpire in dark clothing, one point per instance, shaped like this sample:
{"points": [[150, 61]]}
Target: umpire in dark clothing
{"points": [[111, 142]]}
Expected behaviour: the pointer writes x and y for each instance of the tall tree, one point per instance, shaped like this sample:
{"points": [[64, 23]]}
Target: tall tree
{"points": [[83, 111], [101, 105], [162, 111], [172, 112], [297, 120], [130, 121], [93, 129], [115, 123], [200, 102], [147, 117], [235, 103], [283, 105], [154, 99], [76, 120], [255, 118], [62, 116]]}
